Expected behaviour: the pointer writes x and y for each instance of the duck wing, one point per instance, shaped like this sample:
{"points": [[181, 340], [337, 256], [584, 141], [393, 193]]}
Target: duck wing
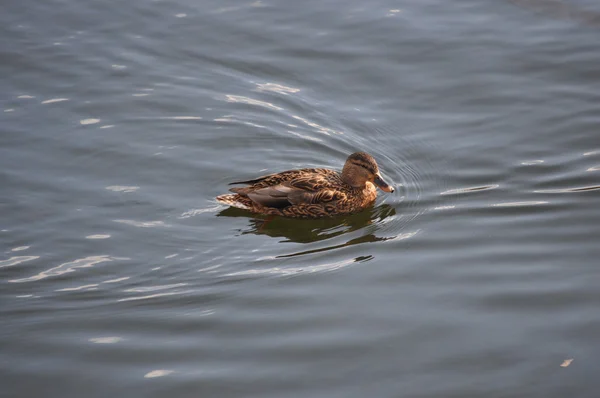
{"points": [[276, 178], [305, 188]]}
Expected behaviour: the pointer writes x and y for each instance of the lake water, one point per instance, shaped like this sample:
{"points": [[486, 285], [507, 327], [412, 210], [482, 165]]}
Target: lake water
{"points": [[121, 276]]}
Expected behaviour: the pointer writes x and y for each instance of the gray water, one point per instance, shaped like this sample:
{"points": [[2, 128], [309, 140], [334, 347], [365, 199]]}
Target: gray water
{"points": [[121, 276]]}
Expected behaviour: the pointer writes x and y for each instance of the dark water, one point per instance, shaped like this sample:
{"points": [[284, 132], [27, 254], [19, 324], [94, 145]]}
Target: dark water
{"points": [[121, 276]]}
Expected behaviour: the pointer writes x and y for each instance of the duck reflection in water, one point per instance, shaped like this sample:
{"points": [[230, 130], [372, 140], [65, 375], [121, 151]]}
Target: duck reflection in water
{"points": [[313, 230]]}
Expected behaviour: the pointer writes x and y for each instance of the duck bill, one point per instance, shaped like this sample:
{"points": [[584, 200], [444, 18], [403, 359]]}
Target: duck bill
{"points": [[384, 186]]}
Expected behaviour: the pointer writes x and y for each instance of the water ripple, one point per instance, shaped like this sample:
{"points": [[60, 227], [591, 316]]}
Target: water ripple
{"points": [[71, 266], [154, 288], [569, 190], [158, 373], [532, 162], [444, 207], [54, 100], [181, 117], [518, 204], [277, 88], [98, 236], [106, 340], [325, 267], [458, 191], [149, 296], [143, 224], [250, 101], [317, 127], [304, 136], [124, 278], [85, 122], [469, 189], [16, 260], [73, 289], [122, 188]]}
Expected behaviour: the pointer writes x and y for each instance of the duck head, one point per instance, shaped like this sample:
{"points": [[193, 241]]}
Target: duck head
{"points": [[361, 168]]}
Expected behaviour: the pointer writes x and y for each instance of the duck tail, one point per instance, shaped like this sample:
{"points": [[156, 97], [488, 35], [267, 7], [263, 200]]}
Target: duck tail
{"points": [[234, 201]]}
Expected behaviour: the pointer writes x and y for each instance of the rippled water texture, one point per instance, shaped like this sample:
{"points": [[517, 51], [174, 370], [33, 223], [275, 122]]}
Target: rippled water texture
{"points": [[122, 276]]}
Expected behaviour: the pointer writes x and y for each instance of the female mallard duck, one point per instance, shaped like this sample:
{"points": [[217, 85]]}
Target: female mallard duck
{"points": [[312, 193]]}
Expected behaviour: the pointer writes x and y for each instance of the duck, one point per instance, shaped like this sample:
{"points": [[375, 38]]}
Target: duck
{"points": [[312, 192]]}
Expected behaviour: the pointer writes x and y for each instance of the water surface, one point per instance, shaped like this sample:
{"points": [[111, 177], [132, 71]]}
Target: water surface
{"points": [[122, 276]]}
